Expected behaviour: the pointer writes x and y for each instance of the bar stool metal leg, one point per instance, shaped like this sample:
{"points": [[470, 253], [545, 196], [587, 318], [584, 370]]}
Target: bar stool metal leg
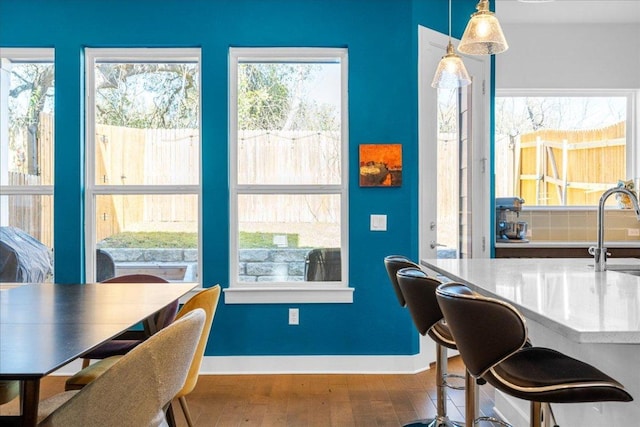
{"points": [[442, 420], [472, 403], [536, 414], [470, 400]]}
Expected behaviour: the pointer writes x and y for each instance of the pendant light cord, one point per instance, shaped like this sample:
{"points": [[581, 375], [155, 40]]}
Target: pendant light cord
{"points": [[449, 20]]}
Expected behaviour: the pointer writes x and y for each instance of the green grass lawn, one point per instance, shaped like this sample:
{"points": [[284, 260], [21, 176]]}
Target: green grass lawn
{"points": [[160, 239]]}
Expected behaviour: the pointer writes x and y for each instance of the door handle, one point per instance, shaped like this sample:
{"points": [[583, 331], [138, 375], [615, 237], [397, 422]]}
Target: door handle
{"points": [[435, 244]]}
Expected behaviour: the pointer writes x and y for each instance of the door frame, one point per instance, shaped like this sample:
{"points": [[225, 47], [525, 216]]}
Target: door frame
{"points": [[431, 47]]}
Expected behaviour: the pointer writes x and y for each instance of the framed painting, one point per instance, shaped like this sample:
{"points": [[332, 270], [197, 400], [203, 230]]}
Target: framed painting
{"points": [[380, 165]]}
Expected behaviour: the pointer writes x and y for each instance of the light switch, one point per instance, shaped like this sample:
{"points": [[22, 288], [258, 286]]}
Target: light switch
{"points": [[378, 223]]}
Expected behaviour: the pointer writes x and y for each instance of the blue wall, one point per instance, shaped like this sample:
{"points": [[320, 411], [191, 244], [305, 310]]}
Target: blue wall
{"points": [[382, 39]]}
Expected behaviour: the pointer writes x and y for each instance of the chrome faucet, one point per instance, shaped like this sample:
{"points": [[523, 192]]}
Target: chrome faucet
{"points": [[599, 252]]}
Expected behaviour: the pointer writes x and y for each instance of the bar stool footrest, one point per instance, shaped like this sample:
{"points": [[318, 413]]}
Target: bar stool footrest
{"points": [[491, 420], [451, 386], [435, 422]]}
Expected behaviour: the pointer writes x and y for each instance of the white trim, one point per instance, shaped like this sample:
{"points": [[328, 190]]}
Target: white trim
{"points": [[20, 190], [298, 292], [28, 54], [360, 364], [295, 295]]}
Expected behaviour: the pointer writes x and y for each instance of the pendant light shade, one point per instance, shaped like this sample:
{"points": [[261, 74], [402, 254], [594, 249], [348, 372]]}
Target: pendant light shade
{"points": [[483, 35], [451, 72]]}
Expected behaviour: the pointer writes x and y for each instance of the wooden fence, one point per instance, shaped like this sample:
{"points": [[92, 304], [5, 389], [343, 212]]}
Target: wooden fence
{"points": [[33, 213], [127, 156], [568, 167], [160, 157]]}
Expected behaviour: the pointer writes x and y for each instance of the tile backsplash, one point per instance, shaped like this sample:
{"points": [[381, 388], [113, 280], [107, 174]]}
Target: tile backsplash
{"points": [[579, 225]]}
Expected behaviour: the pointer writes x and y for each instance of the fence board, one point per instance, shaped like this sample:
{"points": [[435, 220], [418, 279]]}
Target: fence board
{"points": [[595, 160]]}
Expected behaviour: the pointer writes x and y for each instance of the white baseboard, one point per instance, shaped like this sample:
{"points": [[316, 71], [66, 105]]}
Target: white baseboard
{"points": [[313, 365], [232, 365], [358, 364]]}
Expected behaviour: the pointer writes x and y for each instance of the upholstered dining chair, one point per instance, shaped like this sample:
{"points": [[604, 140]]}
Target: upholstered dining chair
{"points": [[206, 300], [123, 344], [136, 390], [9, 390], [491, 336]]}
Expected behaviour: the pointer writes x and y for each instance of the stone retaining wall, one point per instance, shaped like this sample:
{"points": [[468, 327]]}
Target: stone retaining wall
{"points": [[256, 265]]}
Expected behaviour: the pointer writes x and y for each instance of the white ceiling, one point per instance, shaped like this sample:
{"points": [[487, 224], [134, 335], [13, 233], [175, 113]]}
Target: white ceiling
{"points": [[568, 11]]}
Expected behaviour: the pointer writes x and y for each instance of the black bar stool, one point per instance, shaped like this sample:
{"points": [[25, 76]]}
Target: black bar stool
{"points": [[393, 263], [491, 336], [419, 292]]}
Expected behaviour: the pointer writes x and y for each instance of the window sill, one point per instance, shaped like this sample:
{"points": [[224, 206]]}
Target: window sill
{"points": [[281, 295]]}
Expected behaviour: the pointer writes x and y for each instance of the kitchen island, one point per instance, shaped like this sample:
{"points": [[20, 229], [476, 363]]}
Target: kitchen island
{"points": [[594, 317]]}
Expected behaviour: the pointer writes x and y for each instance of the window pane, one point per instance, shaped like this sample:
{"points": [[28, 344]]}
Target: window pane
{"points": [[550, 150], [147, 130], [27, 142], [150, 234], [27, 237], [26, 164], [289, 123], [278, 232]]}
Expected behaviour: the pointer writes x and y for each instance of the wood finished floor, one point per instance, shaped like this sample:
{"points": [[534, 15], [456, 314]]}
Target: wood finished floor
{"points": [[295, 400]]}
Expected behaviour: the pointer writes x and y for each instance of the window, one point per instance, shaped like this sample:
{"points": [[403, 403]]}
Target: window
{"points": [[26, 151], [288, 145], [550, 147], [143, 163]]}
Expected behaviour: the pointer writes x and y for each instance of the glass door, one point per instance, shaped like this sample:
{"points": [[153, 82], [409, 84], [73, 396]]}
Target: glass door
{"points": [[453, 208], [454, 185]]}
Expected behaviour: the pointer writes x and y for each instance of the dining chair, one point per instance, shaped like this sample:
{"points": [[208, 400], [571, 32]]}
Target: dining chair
{"points": [[9, 390], [137, 389], [206, 300], [127, 341]]}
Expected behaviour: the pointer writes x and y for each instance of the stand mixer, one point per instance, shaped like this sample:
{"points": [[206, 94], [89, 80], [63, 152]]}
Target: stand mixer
{"points": [[508, 230]]}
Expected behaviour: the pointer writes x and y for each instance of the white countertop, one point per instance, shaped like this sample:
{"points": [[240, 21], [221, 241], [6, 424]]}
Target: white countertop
{"points": [[561, 244], [564, 294]]}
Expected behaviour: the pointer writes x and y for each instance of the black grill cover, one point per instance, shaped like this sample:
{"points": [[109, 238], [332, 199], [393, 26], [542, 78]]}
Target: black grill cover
{"points": [[22, 257], [323, 265]]}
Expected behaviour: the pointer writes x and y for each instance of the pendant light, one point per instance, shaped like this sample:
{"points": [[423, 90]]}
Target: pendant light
{"points": [[451, 72], [483, 35]]}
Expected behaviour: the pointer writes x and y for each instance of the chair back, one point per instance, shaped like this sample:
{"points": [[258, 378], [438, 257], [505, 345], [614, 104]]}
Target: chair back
{"points": [[419, 291], [105, 266], [135, 390], [9, 390], [208, 301], [486, 330], [393, 263], [323, 265], [162, 318]]}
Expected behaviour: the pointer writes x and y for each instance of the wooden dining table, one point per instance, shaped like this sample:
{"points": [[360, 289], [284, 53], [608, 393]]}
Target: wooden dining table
{"points": [[45, 326]]}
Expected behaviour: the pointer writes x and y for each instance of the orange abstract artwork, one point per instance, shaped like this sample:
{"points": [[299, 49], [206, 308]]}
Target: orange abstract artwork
{"points": [[380, 165]]}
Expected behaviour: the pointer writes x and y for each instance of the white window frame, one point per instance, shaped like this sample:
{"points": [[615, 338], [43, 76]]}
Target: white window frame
{"points": [[290, 292], [91, 189], [632, 120], [27, 55]]}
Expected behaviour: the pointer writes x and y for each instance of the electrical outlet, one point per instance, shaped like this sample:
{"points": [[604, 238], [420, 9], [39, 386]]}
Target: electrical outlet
{"points": [[633, 232], [294, 316]]}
